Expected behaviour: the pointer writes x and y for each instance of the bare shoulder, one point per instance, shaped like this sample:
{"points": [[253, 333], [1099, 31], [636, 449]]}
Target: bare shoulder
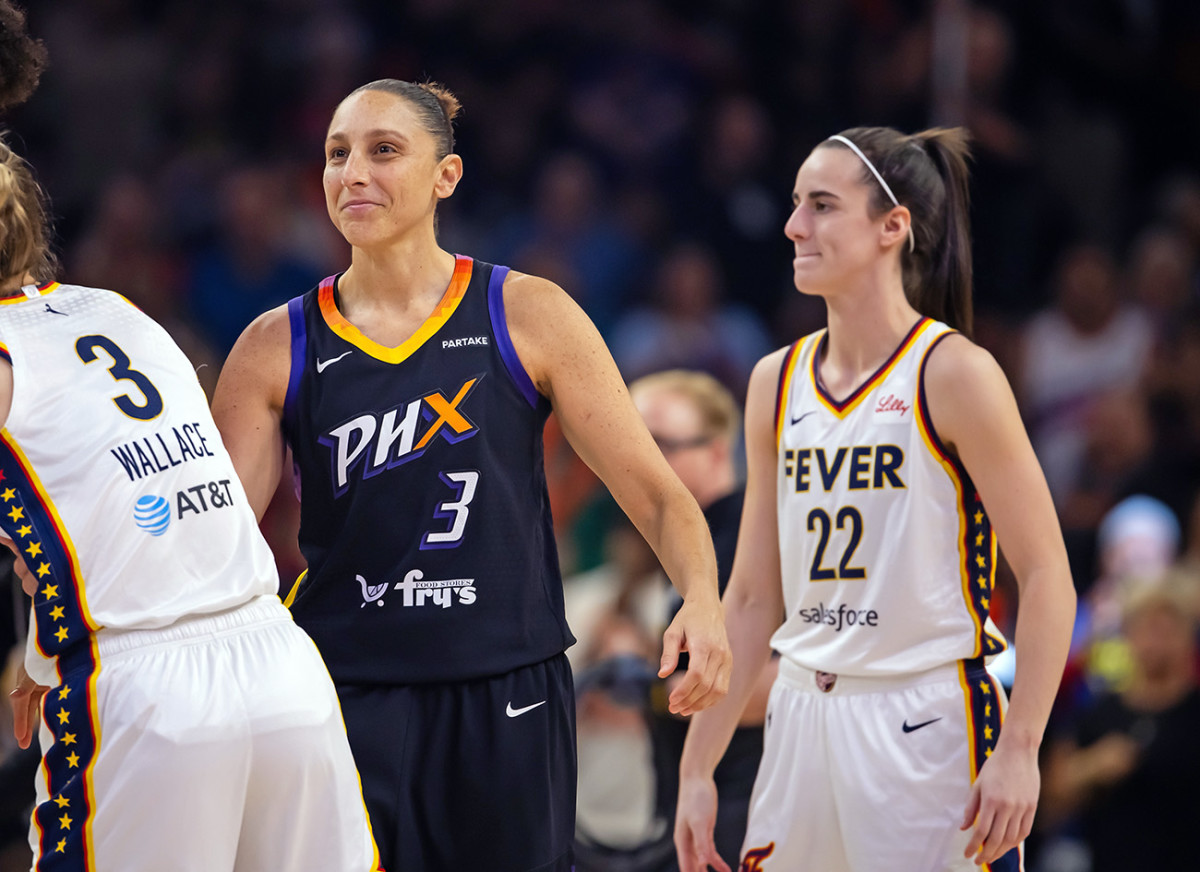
{"points": [[528, 300], [550, 332], [967, 393], [761, 393], [260, 361], [957, 368]]}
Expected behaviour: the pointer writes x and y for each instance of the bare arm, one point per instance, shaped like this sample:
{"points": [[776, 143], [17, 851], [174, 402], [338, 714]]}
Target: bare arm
{"points": [[248, 404], [568, 362], [975, 414], [753, 611]]}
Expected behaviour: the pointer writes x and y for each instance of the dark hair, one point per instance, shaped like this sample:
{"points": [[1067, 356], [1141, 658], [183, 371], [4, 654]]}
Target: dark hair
{"points": [[24, 221], [22, 58], [927, 172], [436, 107]]}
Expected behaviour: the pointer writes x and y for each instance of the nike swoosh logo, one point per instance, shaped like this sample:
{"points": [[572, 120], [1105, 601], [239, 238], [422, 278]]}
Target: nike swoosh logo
{"points": [[802, 417], [909, 729], [321, 364], [516, 713]]}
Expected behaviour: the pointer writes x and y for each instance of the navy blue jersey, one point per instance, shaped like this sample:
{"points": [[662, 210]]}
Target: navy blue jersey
{"points": [[424, 516]]}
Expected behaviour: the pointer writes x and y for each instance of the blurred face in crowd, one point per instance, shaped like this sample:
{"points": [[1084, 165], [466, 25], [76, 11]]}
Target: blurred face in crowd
{"points": [[1161, 640], [382, 174], [837, 242], [698, 457]]}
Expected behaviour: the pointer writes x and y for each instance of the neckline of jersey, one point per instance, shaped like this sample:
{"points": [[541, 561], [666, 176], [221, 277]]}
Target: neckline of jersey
{"points": [[446, 307], [20, 297], [846, 406]]}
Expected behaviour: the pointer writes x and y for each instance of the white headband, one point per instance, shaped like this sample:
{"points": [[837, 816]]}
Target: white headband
{"points": [[912, 241]]}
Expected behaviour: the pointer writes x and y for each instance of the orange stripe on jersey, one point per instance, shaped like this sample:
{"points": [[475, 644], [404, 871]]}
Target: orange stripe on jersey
{"points": [[848, 405], [441, 313], [785, 382]]}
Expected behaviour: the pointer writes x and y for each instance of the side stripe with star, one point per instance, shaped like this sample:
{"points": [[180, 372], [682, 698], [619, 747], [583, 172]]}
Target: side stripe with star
{"points": [[64, 631], [976, 540]]}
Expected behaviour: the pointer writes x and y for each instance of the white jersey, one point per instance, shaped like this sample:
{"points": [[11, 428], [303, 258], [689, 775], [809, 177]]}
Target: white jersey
{"points": [[887, 555], [113, 480]]}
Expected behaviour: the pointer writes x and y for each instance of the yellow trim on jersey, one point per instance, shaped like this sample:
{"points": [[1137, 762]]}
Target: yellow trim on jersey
{"points": [[89, 776], [964, 525], [59, 526], [785, 385], [968, 705], [398, 354], [861, 392], [291, 597], [47, 288]]}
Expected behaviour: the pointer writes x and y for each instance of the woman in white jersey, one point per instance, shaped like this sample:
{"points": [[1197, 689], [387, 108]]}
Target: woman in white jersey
{"points": [[882, 452], [185, 721]]}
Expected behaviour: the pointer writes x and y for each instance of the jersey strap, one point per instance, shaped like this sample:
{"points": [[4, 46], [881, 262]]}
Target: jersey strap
{"points": [[512, 363]]}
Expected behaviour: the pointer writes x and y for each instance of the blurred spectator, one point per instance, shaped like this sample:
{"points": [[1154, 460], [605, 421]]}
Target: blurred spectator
{"points": [[1087, 343], [615, 612], [1137, 541], [696, 424], [251, 266], [1123, 779], [690, 326], [571, 220], [124, 247]]}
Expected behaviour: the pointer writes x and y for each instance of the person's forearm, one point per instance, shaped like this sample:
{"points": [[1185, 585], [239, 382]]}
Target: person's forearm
{"points": [[681, 539], [1045, 616], [749, 625]]}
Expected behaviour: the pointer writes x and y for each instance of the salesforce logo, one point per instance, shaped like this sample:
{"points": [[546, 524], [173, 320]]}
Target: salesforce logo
{"points": [[152, 514]]}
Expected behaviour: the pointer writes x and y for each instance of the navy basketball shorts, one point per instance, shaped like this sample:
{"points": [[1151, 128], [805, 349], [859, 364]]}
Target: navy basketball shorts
{"points": [[476, 774]]}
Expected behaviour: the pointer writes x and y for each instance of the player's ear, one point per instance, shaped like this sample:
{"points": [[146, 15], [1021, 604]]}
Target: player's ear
{"points": [[450, 170]]}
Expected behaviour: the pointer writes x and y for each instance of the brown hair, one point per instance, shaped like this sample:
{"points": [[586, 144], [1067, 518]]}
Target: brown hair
{"points": [[24, 221], [715, 405], [928, 173], [436, 107], [22, 58]]}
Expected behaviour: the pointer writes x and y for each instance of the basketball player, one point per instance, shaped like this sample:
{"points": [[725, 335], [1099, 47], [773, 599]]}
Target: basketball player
{"points": [[412, 390], [882, 453], [186, 722]]}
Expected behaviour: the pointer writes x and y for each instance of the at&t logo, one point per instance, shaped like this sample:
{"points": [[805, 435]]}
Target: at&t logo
{"points": [[153, 514]]}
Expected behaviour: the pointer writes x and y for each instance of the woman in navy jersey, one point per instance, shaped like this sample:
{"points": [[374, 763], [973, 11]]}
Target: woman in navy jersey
{"points": [[885, 457], [412, 390]]}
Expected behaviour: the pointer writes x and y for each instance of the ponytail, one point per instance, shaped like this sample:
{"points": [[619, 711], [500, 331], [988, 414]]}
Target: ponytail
{"points": [[928, 174]]}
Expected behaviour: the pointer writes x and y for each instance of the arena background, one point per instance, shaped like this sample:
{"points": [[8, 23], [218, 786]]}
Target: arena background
{"points": [[641, 154]]}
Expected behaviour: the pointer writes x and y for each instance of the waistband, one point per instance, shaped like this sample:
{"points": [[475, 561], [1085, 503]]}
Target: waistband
{"points": [[265, 609], [829, 684]]}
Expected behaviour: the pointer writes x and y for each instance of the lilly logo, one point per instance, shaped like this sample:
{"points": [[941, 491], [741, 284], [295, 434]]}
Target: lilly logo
{"points": [[372, 593], [152, 514]]}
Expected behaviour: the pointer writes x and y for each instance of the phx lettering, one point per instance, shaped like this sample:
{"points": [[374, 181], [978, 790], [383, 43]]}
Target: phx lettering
{"points": [[383, 441]]}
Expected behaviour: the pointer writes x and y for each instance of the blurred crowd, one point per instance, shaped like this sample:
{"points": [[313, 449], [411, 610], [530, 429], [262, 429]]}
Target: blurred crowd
{"points": [[641, 153]]}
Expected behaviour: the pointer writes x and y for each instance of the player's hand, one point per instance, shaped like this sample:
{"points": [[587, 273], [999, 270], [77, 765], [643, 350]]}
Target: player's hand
{"points": [[26, 702], [698, 629], [695, 819], [28, 582], [1002, 803]]}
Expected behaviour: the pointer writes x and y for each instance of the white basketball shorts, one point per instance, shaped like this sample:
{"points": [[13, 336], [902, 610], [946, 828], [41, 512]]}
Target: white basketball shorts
{"points": [[863, 774], [212, 745]]}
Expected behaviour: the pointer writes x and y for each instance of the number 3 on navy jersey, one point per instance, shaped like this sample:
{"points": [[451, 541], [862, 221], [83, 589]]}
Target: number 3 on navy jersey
{"points": [[121, 371], [455, 511]]}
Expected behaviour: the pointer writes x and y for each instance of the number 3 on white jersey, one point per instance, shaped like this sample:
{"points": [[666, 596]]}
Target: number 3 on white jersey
{"points": [[455, 511]]}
